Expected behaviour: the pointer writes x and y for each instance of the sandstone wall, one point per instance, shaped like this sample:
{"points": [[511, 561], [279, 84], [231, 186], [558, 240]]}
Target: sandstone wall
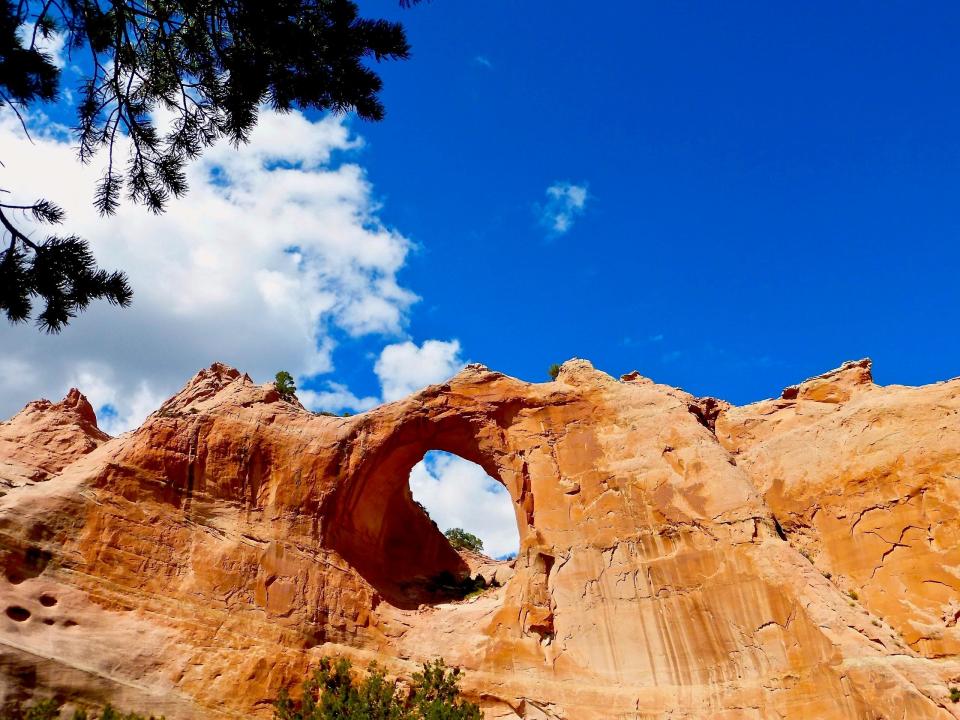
{"points": [[204, 561], [865, 481]]}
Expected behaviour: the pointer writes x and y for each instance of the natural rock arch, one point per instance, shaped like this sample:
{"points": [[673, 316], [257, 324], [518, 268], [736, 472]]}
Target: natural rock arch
{"points": [[374, 522]]}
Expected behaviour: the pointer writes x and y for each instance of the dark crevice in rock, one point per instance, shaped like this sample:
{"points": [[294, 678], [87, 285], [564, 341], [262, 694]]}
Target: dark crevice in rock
{"points": [[778, 528], [706, 410]]}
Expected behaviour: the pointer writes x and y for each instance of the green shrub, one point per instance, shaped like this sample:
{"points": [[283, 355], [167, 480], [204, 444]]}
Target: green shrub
{"points": [[954, 694], [284, 385], [460, 539], [853, 595], [333, 694], [553, 371]]}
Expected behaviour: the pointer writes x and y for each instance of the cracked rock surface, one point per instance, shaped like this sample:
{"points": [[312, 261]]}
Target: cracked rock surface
{"points": [[673, 562], [865, 480]]}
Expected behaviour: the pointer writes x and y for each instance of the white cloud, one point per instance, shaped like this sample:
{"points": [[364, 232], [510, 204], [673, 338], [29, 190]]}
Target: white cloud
{"points": [[335, 398], [134, 409], [565, 203], [483, 61], [276, 247], [53, 45], [101, 386], [458, 493], [404, 368]]}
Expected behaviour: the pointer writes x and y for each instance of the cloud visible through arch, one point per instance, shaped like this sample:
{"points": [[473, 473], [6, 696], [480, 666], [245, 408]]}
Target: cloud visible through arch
{"points": [[458, 493]]}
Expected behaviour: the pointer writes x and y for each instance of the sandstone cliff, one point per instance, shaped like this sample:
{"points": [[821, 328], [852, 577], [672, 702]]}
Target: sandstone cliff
{"points": [[864, 480], [44, 438], [679, 558]]}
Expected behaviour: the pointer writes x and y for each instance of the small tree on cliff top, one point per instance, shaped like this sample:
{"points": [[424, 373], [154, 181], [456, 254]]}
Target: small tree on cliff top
{"points": [[333, 694], [460, 539], [284, 385]]}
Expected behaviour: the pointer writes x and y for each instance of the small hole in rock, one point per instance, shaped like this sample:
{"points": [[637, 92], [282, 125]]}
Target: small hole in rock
{"points": [[70, 623], [48, 621], [17, 613], [48, 600]]}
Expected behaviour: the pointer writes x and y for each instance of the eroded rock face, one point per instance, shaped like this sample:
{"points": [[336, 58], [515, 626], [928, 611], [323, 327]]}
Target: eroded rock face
{"points": [[865, 480], [199, 564], [45, 437]]}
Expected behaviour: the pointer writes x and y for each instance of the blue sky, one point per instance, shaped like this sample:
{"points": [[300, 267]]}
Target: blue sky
{"points": [[772, 188]]}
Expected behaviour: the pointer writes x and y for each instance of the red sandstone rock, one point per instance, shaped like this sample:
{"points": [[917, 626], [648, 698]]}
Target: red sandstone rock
{"points": [[44, 438], [865, 480], [201, 563]]}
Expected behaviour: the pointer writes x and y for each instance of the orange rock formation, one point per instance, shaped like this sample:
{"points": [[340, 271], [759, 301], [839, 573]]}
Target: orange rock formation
{"points": [[679, 557]]}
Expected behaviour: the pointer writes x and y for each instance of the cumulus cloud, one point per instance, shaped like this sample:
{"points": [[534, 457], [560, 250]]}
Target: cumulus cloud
{"points": [[335, 398], [277, 247], [403, 368], [458, 493], [565, 203]]}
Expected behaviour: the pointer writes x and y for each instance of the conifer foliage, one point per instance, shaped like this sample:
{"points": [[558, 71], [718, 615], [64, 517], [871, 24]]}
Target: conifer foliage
{"points": [[283, 382], [206, 65]]}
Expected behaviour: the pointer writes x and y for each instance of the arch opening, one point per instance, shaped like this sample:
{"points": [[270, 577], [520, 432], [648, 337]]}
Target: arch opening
{"points": [[459, 495], [388, 535]]}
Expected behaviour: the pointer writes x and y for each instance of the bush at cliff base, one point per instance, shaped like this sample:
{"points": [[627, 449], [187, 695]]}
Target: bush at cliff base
{"points": [[334, 694]]}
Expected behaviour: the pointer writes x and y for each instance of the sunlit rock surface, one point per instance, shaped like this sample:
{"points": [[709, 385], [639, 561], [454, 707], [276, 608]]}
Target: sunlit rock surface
{"points": [[865, 481], [45, 437], [673, 562]]}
